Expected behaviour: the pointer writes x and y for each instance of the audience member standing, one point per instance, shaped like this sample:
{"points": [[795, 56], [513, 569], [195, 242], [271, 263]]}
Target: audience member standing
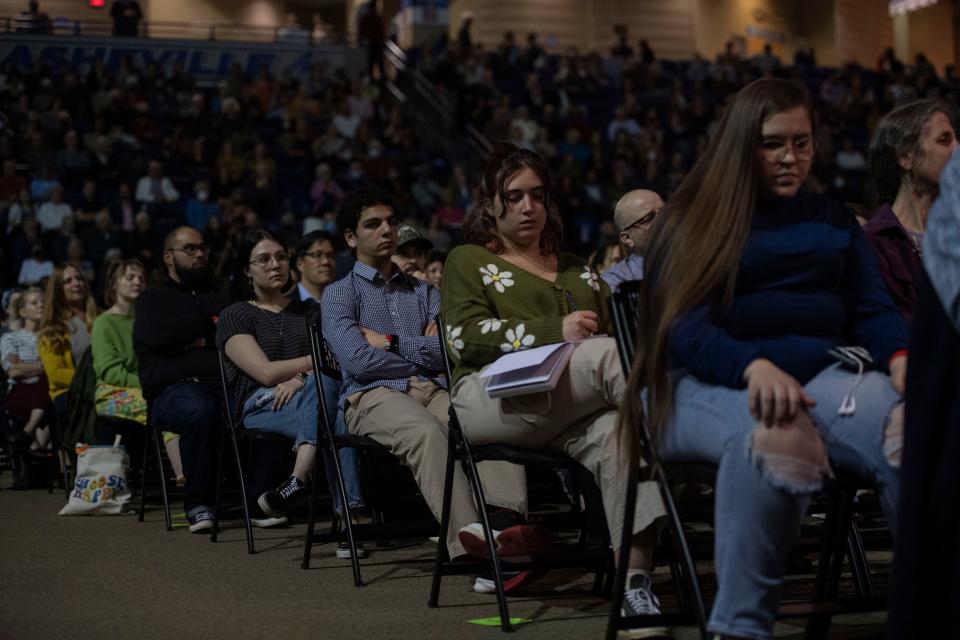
{"points": [[373, 36], [126, 16]]}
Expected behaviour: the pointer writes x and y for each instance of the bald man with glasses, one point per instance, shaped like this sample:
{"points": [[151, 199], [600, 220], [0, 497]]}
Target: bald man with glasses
{"points": [[173, 336], [633, 217]]}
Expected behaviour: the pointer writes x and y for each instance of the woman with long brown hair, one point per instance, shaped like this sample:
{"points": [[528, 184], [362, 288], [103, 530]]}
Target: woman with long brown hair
{"points": [[512, 288], [751, 284], [68, 314]]}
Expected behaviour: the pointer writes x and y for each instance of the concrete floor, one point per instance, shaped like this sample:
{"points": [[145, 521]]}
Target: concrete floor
{"points": [[113, 577]]}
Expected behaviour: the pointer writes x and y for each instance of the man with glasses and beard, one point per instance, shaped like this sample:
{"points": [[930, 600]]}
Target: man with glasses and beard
{"points": [[173, 336]]}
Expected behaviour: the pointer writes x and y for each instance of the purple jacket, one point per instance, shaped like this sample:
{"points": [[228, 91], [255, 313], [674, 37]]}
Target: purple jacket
{"points": [[899, 259]]}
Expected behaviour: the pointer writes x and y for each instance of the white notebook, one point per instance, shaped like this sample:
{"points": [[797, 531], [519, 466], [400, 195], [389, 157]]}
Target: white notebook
{"points": [[528, 371]]}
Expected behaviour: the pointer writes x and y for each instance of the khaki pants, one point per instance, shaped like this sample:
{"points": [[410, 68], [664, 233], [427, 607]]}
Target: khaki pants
{"points": [[413, 426], [578, 418]]}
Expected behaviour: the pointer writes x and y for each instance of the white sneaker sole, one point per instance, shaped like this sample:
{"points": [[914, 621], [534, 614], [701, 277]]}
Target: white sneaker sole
{"points": [[344, 554], [265, 506], [269, 523], [203, 525]]}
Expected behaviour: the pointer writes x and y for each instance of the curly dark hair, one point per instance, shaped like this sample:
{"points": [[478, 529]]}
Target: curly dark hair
{"points": [[480, 225], [353, 204]]}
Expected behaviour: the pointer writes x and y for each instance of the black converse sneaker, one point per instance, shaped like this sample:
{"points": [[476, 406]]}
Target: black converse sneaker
{"points": [[277, 503], [639, 600]]}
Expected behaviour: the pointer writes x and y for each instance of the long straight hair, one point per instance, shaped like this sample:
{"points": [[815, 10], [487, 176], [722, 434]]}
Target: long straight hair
{"points": [[696, 243], [57, 312]]}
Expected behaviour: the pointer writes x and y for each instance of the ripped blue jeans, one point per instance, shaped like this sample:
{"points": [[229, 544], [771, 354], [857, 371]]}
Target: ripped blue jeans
{"points": [[759, 506], [297, 420]]}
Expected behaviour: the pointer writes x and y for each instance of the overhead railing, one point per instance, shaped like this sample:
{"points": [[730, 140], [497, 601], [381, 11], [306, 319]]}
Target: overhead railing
{"points": [[171, 30]]}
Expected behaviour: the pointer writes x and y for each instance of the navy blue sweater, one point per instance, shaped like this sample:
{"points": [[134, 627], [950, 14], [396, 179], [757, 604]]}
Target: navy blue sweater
{"points": [[808, 280]]}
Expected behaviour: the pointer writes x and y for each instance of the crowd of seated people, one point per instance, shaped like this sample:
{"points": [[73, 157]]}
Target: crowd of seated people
{"points": [[102, 169]]}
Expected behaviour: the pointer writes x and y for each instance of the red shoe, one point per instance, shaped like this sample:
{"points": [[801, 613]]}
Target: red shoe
{"points": [[518, 540], [512, 580]]}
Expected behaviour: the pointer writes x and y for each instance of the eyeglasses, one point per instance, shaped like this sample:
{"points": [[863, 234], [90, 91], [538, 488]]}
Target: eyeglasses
{"points": [[640, 222], [775, 149], [320, 255], [264, 259], [192, 249]]}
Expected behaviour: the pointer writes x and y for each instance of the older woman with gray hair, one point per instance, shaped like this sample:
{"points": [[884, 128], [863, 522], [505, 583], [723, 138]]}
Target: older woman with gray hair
{"points": [[909, 149]]}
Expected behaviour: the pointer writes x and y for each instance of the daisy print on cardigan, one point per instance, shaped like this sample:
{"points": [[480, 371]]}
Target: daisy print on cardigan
{"points": [[499, 279]]}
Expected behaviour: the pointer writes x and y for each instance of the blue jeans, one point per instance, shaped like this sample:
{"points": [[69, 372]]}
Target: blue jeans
{"points": [[757, 515], [193, 412], [297, 420]]}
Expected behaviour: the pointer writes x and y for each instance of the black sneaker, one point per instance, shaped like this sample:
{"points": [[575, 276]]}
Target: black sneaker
{"points": [[639, 600], [200, 521], [277, 503]]}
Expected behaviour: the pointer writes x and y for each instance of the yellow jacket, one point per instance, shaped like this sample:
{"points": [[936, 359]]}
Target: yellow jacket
{"points": [[58, 365]]}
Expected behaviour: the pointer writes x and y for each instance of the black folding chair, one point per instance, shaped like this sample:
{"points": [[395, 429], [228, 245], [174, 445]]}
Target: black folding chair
{"points": [[840, 533], [564, 556], [328, 440], [231, 427], [623, 304], [150, 453]]}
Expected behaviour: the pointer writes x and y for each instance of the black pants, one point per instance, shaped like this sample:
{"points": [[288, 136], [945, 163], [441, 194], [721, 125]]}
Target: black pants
{"points": [[192, 411]]}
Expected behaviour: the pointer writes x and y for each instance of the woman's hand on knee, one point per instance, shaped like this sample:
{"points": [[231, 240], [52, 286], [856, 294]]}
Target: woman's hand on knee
{"points": [[774, 395], [286, 390]]}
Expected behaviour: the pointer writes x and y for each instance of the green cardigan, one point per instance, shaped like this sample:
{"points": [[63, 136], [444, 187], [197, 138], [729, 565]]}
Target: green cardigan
{"points": [[111, 343], [491, 307]]}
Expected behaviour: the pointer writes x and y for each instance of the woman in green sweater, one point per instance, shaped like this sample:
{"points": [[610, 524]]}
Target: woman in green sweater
{"points": [[118, 392], [511, 288]]}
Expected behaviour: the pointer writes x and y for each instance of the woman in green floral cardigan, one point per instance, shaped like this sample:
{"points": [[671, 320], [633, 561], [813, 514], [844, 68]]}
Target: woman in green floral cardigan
{"points": [[511, 288]]}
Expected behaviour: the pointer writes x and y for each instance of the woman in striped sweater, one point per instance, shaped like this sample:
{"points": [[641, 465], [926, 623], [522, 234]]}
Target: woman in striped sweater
{"points": [[27, 395]]}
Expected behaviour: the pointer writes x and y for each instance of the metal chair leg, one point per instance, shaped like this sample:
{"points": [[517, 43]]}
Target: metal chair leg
{"points": [[144, 467], [312, 515], [443, 555], [620, 579], [157, 438], [219, 485], [243, 493], [474, 476]]}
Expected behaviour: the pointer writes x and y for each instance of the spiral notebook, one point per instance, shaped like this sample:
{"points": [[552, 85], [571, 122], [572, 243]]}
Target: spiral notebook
{"points": [[528, 371]]}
